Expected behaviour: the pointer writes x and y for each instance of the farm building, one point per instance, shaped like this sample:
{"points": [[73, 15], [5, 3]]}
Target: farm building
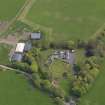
{"points": [[20, 47], [28, 46], [17, 57], [36, 36]]}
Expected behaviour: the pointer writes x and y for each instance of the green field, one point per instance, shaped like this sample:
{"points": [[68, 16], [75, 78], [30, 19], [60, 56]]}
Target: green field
{"points": [[96, 95], [9, 8], [4, 54], [15, 90], [68, 19]]}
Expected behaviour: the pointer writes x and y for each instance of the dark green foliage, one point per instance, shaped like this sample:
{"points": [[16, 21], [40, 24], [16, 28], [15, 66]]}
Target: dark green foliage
{"points": [[59, 101], [21, 66]]}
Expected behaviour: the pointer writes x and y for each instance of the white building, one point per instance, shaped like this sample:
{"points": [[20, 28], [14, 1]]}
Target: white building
{"points": [[20, 47]]}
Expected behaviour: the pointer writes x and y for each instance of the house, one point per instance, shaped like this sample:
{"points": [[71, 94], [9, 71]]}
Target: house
{"points": [[68, 55], [36, 36], [28, 46], [62, 54], [17, 57], [20, 48]]}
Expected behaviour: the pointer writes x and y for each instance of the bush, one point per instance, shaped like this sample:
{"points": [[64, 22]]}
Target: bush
{"points": [[59, 101]]}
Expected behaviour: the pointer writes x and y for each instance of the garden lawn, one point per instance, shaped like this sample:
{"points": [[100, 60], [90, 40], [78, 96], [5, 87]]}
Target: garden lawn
{"points": [[4, 54], [68, 19], [15, 90], [65, 84], [9, 8], [58, 68], [45, 54], [96, 95]]}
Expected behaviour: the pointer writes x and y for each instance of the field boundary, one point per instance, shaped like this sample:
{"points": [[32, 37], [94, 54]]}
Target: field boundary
{"points": [[16, 17], [98, 31], [26, 9], [36, 27]]}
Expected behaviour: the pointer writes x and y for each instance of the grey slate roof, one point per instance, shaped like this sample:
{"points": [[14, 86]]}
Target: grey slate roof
{"points": [[28, 46], [36, 36], [17, 57]]}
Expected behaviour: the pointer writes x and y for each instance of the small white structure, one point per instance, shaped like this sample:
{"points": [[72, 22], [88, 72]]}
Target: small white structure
{"points": [[20, 47], [72, 51]]}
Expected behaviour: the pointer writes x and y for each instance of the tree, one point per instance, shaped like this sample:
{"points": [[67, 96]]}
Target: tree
{"points": [[94, 72], [46, 85], [78, 88], [57, 92], [37, 80], [81, 44], [59, 101], [21, 66], [34, 67], [71, 44]]}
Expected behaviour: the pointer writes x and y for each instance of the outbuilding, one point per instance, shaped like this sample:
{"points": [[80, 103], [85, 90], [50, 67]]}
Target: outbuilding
{"points": [[36, 36], [20, 47], [17, 57], [28, 46]]}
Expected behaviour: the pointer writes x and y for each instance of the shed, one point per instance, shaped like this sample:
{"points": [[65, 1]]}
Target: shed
{"points": [[20, 47], [17, 57], [36, 36]]}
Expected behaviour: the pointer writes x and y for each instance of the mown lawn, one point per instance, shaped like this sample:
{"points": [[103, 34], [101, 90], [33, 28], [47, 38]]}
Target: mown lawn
{"points": [[96, 95], [4, 54], [58, 68], [65, 84], [9, 8], [15, 90], [45, 54], [68, 19]]}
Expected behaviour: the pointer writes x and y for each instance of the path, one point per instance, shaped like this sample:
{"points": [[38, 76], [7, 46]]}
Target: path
{"points": [[10, 40], [16, 70], [16, 17], [26, 10]]}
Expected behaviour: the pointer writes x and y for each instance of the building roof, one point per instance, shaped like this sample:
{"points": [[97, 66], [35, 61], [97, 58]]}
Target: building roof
{"points": [[28, 46], [20, 47], [36, 36], [17, 57]]}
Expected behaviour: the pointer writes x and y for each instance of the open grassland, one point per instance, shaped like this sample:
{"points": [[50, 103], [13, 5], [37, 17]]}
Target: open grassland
{"points": [[68, 19], [9, 8], [4, 54], [14, 90], [96, 95]]}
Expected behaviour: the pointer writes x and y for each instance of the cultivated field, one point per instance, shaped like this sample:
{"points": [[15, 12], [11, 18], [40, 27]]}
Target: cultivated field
{"points": [[9, 8], [15, 90], [67, 19]]}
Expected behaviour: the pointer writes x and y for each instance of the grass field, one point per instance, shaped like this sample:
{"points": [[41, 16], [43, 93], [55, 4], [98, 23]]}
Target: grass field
{"points": [[68, 19], [4, 54], [9, 8], [15, 90], [96, 95]]}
